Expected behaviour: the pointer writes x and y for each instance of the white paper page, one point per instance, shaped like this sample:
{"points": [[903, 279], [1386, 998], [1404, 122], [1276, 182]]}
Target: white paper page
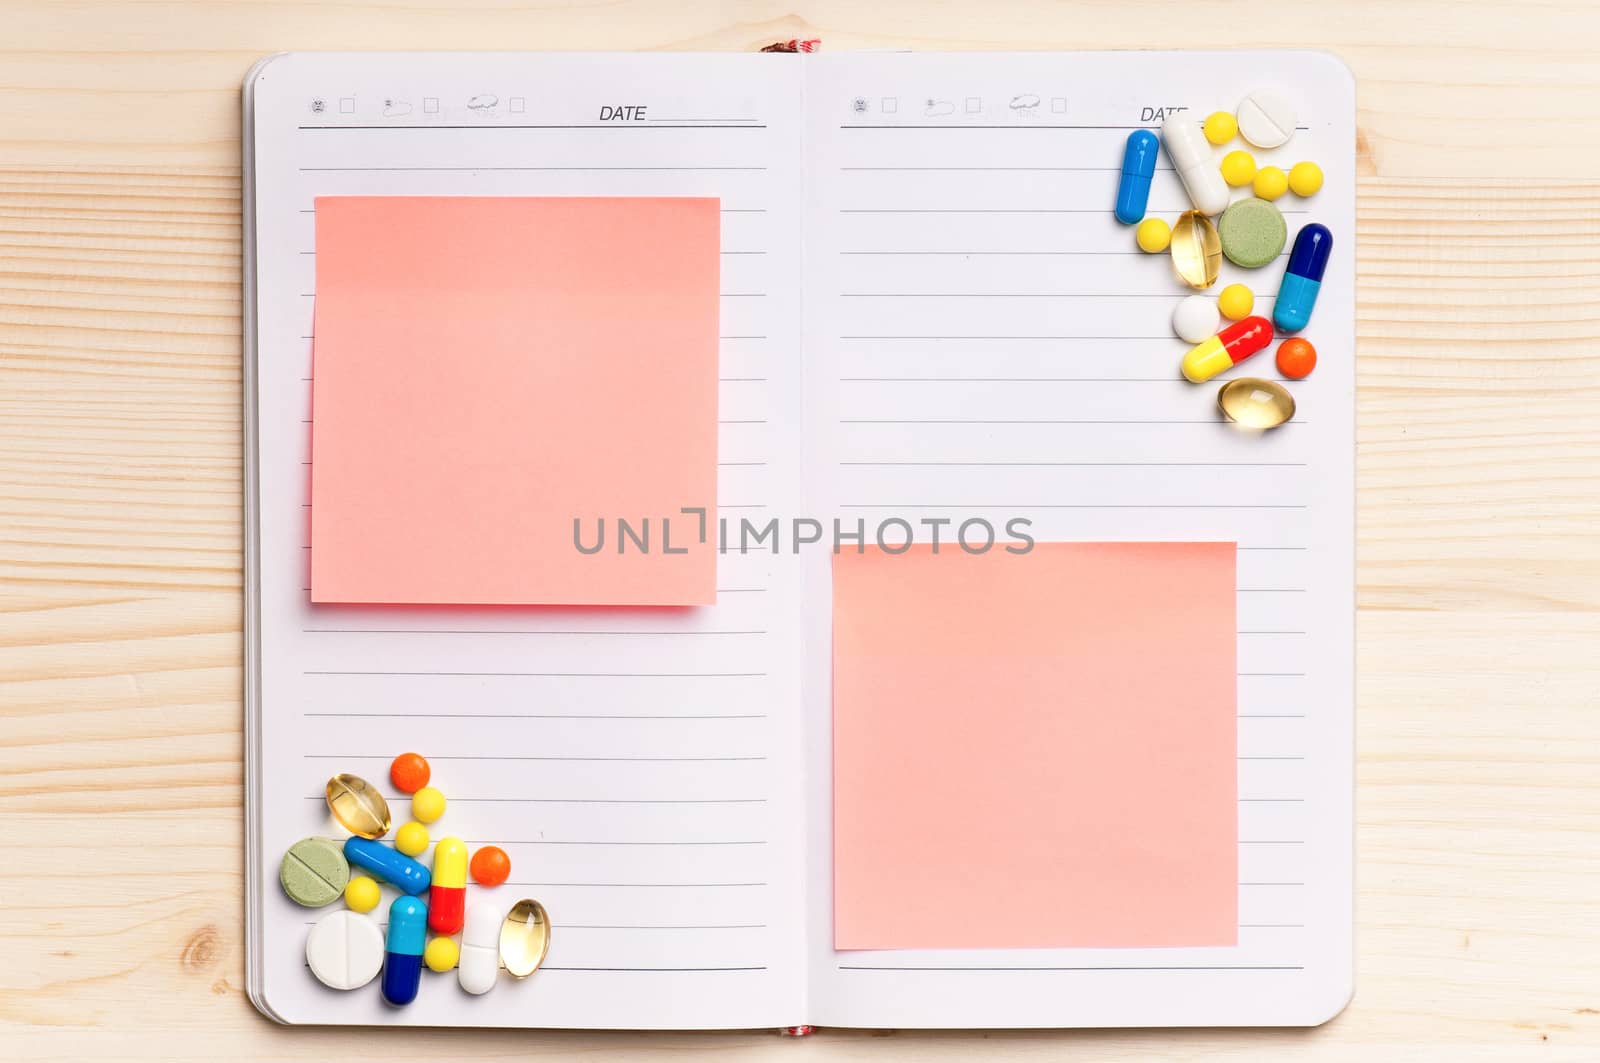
{"points": [[641, 767], [985, 340]]}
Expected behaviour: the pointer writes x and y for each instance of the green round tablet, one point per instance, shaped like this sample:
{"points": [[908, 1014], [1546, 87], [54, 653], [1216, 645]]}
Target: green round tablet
{"points": [[1252, 232], [314, 872]]}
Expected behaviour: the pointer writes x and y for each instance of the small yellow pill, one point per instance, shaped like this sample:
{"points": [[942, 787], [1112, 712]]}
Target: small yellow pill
{"points": [[1305, 178], [1153, 235], [427, 804], [1221, 127], [1271, 183], [411, 838], [1236, 301], [1238, 168], [441, 954], [362, 894]]}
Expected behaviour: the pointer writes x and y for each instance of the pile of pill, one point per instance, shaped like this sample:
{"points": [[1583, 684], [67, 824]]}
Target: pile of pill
{"points": [[1249, 232], [346, 949]]}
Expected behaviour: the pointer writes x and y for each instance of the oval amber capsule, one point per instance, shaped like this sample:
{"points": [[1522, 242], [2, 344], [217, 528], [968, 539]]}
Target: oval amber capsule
{"points": [[524, 938], [359, 808], [1196, 249], [1251, 402]]}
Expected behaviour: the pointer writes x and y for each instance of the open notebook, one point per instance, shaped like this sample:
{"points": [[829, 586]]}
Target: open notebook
{"points": [[927, 309]]}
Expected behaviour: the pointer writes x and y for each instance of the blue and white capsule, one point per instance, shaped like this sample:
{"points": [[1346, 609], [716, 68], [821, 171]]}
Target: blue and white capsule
{"points": [[1302, 279], [402, 959], [1138, 167]]}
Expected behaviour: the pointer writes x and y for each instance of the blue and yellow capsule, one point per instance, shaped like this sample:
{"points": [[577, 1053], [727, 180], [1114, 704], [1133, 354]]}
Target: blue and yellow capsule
{"points": [[1302, 278], [1138, 167], [402, 960]]}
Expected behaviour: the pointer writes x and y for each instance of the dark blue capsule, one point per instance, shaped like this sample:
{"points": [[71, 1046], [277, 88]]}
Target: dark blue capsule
{"points": [[1302, 278]]}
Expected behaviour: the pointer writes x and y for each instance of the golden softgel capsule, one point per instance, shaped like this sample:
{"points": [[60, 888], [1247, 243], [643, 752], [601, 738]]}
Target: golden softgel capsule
{"points": [[524, 938], [1251, 402], [359, 808], [1196, 249]]}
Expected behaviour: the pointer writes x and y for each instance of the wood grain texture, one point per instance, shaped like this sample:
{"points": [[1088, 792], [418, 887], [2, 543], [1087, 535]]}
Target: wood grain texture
{"points": [[1479, 501]]}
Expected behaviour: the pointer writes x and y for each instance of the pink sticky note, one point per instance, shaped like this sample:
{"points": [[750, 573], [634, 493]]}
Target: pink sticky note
{"points": [[1035, 750], [489, 370]]}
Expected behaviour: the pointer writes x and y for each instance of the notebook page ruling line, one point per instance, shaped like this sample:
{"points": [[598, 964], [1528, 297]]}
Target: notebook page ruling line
{"points": [[636, 764], [984, 341]]}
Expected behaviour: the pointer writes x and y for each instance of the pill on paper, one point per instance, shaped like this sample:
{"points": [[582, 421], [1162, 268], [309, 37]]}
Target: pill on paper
{"points": [[1251, 402], [362, 894], [1138, 166], [409, 772], [314, 872], [427, 804], [345, 950], [403, 949], [479, 963], [394, 867], [1227, 349], [1196, 250], [1271, 183], [1238, 168], [447, 892], [1221, 127], [1235, 301], [1153, 235], [411, 838], [1266, 119], [1302, 278], [1305, 178], [524, 938], [1190, 153], [441, 954], [1296, 358], [1252, 232], [1195, 319], [358, 806]]}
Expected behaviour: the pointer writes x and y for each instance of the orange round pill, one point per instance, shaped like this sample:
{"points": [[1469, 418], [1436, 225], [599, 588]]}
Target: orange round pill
{"points": [[490, 866], [1296, 358], [409, 772]]}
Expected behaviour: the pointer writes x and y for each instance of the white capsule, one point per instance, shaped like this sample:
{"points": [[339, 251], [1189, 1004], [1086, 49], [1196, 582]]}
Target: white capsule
{"points": [[1190, 153], [1266, 119], [1195, 319], [479, 965]]}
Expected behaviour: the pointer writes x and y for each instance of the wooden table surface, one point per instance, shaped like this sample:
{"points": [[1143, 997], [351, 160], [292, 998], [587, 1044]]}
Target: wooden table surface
{"points": [[1479, 512]]}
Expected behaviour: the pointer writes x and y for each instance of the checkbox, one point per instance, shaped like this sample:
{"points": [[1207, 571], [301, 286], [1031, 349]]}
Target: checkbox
{"points": [[974, 105], [347, 105], [518, 105], [890, 105], [1058, 105], [430, 105]]}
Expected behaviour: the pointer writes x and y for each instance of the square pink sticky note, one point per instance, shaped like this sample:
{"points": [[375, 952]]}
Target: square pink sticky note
{"points": [[1035, 750], [490, 370]]}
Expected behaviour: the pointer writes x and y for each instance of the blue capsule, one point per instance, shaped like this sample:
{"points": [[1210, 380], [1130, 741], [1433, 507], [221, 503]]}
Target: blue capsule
{"points": [[1138, 167], [402, 960], [1302, 279], [391, 865]]}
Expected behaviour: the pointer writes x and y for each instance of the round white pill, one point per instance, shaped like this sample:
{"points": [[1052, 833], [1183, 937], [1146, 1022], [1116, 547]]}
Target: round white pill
{"points": [[1266, 119], [345, 950], [1196, 319]]}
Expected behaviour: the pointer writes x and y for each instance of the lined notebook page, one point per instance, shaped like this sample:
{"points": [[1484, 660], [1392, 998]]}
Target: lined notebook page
{"points": [[640, 767], [984, 340]]}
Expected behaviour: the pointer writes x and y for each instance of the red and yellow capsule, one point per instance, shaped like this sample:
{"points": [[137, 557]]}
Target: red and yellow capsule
{"points": [[1227, 349], [447, 897]]}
